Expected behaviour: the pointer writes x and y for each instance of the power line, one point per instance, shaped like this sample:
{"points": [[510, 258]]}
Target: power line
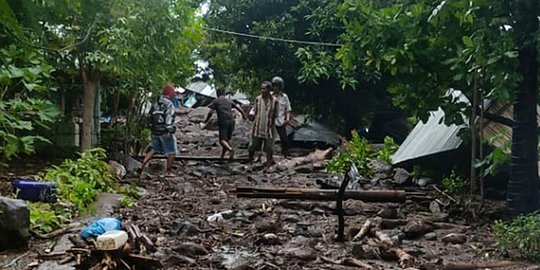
{"points": [[274, 38]]}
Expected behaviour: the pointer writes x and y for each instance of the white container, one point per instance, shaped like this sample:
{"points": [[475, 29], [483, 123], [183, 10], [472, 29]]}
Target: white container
{"points": [[111, 240]]}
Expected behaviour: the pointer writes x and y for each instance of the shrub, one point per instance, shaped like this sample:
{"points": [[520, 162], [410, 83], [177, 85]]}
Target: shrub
{"points": [[519, 238], [359, 152]]}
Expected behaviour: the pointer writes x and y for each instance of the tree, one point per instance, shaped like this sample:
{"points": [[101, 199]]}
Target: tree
{"points": [[310, 71], [428, 47], [139, 44], [25, 88]]}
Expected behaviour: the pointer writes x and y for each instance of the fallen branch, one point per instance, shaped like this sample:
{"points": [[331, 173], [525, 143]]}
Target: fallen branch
{"points": [[14, 261], [363, 231], [480, 265], [445, 195]]}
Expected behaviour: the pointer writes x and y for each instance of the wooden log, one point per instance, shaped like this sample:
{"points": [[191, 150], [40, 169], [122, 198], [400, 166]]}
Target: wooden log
{"points": [[363, 231], [481, 265], [321, 194]]}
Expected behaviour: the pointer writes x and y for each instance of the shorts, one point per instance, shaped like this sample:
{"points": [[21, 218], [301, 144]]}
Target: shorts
{"points": [[256, 143], [226, 129], [164, 144]]}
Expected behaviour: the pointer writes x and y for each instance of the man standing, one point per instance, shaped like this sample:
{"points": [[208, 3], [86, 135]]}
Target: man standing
{"points": [[163, 129], [283, 113], [223, 106], [263, 114]]}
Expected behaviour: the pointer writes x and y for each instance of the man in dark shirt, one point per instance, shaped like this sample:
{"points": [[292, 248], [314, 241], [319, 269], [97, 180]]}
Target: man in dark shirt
{"points": [[223, 106]]}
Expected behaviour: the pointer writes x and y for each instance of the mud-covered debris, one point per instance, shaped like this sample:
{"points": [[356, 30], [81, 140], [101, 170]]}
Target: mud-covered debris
{"points": [[191, 249], [416, 228], [454, 238]]}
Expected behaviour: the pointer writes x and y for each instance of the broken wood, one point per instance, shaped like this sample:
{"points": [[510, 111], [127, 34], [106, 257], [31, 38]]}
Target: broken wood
{"points": [[339, 208], [321, 194], [363, 231], [480, 265]]}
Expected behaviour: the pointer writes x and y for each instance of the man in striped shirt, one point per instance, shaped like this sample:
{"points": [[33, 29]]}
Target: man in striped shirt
{"points": [[263, 114]]}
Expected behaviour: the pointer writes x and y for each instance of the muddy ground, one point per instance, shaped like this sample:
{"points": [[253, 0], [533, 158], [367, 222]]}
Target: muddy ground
{"points": [[197, 222]]}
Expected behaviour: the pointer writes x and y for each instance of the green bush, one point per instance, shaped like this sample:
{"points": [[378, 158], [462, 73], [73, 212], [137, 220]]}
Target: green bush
{"points": [[45, 217], [519, 238], [359, 152], [454, 184], [80, 181]]}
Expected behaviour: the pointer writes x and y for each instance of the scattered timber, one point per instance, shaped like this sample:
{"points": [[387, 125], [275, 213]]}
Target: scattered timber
{"points": [[321, 194]]}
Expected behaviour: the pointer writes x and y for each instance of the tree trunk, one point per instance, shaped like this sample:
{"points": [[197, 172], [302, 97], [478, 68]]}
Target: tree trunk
{"points": [[91, 80], [523, 183]]}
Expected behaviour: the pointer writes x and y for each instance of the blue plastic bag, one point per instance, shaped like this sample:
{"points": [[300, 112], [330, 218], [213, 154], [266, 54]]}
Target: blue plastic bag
{"points": [[100, 226]]}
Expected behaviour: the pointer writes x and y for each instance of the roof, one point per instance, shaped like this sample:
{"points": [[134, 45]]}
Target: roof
{"points": [[311, 132], [202, 88], [431, 137]]}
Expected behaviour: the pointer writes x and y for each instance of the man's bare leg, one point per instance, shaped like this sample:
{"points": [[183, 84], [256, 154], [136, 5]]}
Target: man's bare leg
{"points": [[170, 162], [146, 159]]}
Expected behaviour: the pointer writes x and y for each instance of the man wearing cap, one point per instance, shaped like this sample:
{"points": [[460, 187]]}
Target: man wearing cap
{"points": [[163, 129], [283, 113]]}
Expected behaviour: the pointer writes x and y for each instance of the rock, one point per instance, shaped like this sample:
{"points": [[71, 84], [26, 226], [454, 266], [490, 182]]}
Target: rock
{"points": [[117, 169], [416, 228], [215, 200], [454, 238], [401, 176], [434, 207], [430, 236], [424, 181], [198, 115], [269, 239], [183, 228], [292, 218], [301, 253], [191, 249], [266, 226], [14, 224], [380, 167]]}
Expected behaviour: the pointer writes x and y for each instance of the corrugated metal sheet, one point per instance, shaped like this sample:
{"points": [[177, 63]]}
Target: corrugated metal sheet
{"points": [[202, 88], [431, 137]]}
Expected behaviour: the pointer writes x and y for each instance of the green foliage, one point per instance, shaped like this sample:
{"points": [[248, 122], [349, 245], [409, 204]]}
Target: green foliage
{"points": [[454, 184], [23, 102], [389, 148], [519, 238], [45, 217], [126, 201], [80, 181], [357, 151], [496, 159]]}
